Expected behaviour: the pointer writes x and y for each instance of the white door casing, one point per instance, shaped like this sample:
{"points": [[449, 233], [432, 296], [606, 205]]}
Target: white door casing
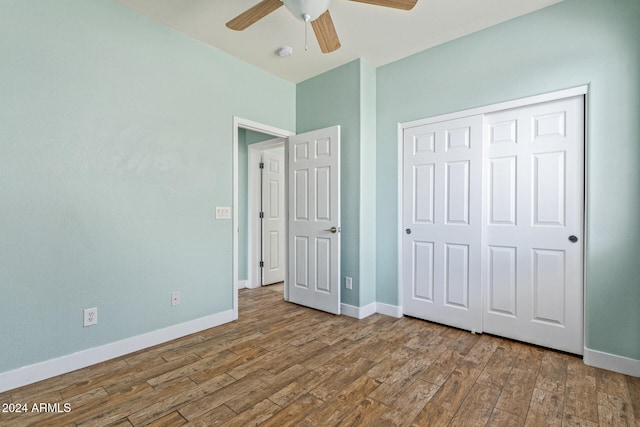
{"points": [[273, 221], [534, 204], [314, 210], [442, 225]]}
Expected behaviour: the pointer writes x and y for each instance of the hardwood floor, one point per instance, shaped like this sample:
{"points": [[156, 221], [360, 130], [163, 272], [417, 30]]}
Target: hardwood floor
{"points": [[281, 364]]}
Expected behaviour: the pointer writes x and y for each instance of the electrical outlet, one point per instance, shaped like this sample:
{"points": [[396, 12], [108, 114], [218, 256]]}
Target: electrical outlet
{"points": [[90, 316], [175, 298], [347, 283]]}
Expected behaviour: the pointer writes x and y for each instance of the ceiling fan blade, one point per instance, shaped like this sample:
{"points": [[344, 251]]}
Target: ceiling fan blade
{"points": [[254, 14], [396, 4], [326, 33]]}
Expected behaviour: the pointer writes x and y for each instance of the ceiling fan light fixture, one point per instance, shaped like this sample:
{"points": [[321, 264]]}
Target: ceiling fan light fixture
{"points": [[303, 8]]}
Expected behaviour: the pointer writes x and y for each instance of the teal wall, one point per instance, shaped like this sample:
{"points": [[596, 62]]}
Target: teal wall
{"points": [[346, 96], [573, 43], [368, 182], [333, 98], [115, 149]]}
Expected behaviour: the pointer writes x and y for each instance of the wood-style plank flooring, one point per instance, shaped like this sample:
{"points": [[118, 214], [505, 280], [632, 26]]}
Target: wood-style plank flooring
{"points": [[281, 364]]}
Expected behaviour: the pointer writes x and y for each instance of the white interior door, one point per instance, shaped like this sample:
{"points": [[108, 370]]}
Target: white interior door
{"points": [[442, 225], [273, 218], [534, 224], [314, 219]]}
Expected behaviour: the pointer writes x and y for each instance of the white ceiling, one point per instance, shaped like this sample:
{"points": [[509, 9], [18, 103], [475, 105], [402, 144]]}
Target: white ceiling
{"points": [[377, 34]]}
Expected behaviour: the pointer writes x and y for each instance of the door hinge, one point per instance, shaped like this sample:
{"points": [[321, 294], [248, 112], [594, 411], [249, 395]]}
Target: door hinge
{"points": [[261, 165], [261, 214], [261, 264]]}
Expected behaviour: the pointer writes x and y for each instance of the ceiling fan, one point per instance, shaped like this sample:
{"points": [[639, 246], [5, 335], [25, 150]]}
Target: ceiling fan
{"points": [[314, 11]]}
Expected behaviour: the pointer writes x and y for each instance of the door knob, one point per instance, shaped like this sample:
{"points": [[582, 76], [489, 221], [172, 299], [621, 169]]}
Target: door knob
{"points": [[408, 231], [332, 229], [573, 239]]}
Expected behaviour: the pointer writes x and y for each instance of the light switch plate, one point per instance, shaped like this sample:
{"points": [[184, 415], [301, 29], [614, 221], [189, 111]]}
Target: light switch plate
{"points": [[223, 212]]}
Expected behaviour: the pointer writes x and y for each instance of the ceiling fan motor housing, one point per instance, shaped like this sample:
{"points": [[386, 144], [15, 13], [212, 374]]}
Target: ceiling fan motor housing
{"points": [[303, 8]]}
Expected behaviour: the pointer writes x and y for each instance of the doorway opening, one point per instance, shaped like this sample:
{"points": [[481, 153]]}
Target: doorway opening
{"points": [[312, 214], [240, 174], [266, 208]]}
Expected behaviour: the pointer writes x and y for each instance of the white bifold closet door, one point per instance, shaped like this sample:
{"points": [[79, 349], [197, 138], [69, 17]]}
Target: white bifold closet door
{"points": [[493, 223], [534, 227], [442, 218]]}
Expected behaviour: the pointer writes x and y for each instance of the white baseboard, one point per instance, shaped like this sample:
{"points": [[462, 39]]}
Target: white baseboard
{"points": [[255, 285], [358, 312], [71, 362], [389, 310], [242, 284], [611, 362], [368, 310]]}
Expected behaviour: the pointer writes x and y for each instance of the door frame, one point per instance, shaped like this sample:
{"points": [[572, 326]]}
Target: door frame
{"points": [[492, 108], [253, 189], [241, 123]]}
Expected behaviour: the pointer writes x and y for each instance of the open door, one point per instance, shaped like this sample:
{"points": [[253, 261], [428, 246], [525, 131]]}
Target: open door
{"points": [[314, 219]]}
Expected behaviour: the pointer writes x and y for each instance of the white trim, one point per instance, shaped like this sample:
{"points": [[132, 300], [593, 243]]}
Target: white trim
{"points": [[253, 273], [267, 145], [508, 105], [611, 362], [238, 123], [358, 312], [242, 284], [369, 309], [71, 362], [585, 235], [400, 209], [389, 310]]}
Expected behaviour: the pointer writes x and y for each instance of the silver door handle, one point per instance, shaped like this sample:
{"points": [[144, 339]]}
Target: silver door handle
{"points": [[332, 229]]}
